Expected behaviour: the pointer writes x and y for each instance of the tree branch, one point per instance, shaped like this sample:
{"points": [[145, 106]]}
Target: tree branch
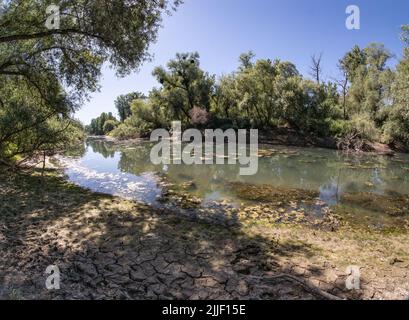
{"points": [[48, 33]]}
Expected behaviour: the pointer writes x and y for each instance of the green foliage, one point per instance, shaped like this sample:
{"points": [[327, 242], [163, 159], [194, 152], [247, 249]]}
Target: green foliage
{"points": [[145, 116], [91, 32], [397, 125], [33, 121], [123, 104], [45, 74], [268, 93], [352, 62], [364, 127], [370, 80], [109, 125], [184, 86], [102, 125], [339, 128], [374, 98], [370, 103], [253, 91], [125, 131]]}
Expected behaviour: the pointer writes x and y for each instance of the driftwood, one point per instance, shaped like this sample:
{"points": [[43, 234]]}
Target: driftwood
{"points": [[304, 283], [351, 142]]}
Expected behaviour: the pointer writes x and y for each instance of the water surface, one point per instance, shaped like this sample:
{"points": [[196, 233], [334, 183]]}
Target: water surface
{"points": [[127, 171]]}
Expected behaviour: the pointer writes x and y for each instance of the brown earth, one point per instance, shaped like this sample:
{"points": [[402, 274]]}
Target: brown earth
{"points": [[110, 248]]}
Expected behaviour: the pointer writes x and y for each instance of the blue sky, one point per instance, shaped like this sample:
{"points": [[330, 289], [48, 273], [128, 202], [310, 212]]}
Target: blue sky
{"points": [[290, 30]]}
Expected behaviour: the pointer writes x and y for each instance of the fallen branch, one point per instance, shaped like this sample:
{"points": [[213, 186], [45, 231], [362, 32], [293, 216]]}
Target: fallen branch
{"points": [[305, 283]]}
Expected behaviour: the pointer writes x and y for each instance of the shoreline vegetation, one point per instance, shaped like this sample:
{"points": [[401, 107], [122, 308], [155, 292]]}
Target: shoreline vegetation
{"points": [[289, 138], [364, 110], [109, 247]]}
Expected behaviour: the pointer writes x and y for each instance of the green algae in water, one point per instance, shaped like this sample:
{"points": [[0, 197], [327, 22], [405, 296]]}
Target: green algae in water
{"points": [[392, 205], [361, 218], [271, 194], [287, 177]]}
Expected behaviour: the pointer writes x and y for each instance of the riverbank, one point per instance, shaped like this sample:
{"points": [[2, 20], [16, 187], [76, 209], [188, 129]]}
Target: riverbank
{"points": [[289, 137], [293, 138], [110, 248]]}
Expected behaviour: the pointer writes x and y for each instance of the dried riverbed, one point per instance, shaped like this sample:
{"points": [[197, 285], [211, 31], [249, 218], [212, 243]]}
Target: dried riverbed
{"points": [[108, 247]]}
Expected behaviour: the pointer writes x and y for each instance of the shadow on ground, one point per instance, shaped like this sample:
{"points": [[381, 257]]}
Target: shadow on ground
{"points": [[109, 248]]}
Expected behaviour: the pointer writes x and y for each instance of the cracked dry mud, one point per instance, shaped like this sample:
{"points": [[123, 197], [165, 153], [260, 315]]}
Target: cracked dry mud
{"points": [[110, 248]]}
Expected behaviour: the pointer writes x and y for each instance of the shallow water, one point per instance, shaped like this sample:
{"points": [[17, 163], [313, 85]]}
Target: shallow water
{"points": [[127, 171]]}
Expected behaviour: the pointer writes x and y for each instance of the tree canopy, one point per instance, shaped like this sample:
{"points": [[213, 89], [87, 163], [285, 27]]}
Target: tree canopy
{"points": [[184, 85], [47, 72], [123, 104]]}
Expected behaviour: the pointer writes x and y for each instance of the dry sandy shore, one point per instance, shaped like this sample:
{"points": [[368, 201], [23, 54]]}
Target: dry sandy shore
{"points": [[110, 248]]}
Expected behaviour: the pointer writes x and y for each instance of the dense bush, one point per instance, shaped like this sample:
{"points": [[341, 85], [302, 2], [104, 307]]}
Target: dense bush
{"points": [[144, 117], [339, 128], [33, 123], [396, 126], [102, 125], [109, 125], [364, 127], [124, 131]]}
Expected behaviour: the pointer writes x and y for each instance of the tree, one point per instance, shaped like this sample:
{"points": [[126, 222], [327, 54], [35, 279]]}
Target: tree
{"points": [[397, 125], [370, 80], [103, 124], [352, 61], [246, 60], [316, 67], [268, 93], [349, 64], [109, 125], [257, 90], [55, 68], [184, 85], [123, 104], [91, 32], [146, 115], [225, 102]]}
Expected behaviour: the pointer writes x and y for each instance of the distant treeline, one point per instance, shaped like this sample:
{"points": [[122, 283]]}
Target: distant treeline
{"points": [[369, 101]]}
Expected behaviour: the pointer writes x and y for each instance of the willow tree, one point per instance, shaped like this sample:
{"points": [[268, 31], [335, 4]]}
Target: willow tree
{"points": [[53, 56], [123, 104], [370, 78], [184, 86], [369, 94], [397, 126]]}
